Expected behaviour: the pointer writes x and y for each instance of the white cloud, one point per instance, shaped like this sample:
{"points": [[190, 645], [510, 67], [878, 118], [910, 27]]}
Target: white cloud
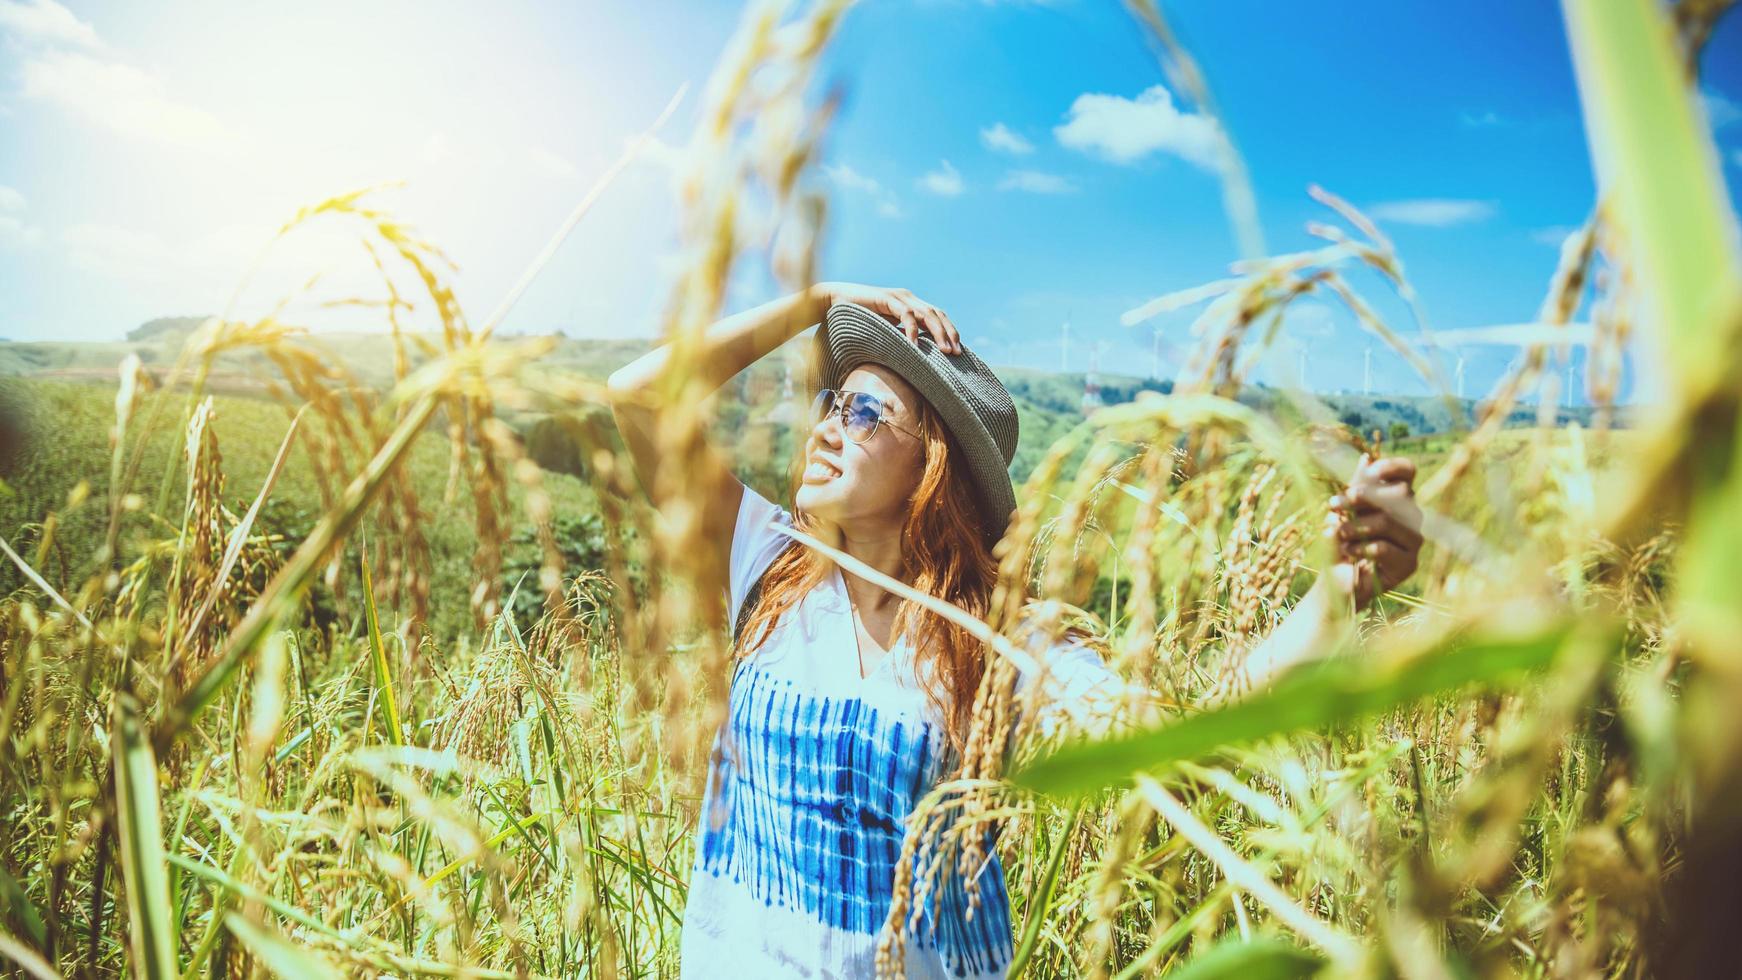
{"points": [[846, 178], [1720, 111], [15, 232], [944, 181], [1002, 139], [1127, 130], [124, 99], [46, 22], [1035, 182], [1432, 212], [1480, 120], [850, 179]]}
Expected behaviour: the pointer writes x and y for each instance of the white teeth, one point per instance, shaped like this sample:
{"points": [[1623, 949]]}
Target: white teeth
{"points": [[821, 470]]}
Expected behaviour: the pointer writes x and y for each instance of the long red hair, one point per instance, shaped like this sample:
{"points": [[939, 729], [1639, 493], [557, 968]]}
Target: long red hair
{"points": [[945, 554]]}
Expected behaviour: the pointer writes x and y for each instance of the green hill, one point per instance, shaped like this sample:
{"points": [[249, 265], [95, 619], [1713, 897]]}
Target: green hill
{"points": [[61, 438]]}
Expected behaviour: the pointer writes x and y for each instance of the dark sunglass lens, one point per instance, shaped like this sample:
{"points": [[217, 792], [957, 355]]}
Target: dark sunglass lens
{"points": [[863, 412]]}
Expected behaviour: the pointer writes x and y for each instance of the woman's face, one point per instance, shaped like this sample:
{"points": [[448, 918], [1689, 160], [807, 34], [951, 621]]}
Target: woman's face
{"points": [[865, 484]]}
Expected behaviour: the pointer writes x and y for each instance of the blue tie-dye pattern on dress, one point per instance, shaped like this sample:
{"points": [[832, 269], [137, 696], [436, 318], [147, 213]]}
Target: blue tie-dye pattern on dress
{"points": [[806, 802]]}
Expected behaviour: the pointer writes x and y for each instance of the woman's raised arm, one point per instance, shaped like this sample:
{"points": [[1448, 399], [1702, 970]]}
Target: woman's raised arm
{"points": [[728, 347]]}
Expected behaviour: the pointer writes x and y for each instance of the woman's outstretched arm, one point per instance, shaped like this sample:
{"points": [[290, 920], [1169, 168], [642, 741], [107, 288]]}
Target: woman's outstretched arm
{"points": [[1377, 529]]}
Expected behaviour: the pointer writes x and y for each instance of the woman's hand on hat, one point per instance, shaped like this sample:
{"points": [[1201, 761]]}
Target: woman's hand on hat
{"points": [[908, 312], [1376, 525]]}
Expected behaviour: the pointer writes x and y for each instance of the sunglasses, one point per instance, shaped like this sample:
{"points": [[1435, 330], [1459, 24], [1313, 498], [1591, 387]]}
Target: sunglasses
{"points": [[861, 412]]}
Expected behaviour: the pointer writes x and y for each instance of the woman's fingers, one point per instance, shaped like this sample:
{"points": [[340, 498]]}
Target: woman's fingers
{"points": [[1377, 526], [1380, 525], [1373, 474], [1394, 499], [906, 320], [929, 317], [917, 317], [1390, 476], [938, 326], [940, 334], [1391, 469], [1361, 497], [1354, 579], [955, 335], [1392, 563], [910, 314]]}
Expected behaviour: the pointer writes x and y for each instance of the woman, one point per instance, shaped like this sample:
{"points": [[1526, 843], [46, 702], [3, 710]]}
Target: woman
{"points": [[846, 702]]}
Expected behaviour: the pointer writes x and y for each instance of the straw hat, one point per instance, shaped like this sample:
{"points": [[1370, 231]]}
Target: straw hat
{"points": [[971, 400]]}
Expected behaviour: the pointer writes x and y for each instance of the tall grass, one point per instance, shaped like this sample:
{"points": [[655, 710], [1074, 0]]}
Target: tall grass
{"points": [[1498, 781]]}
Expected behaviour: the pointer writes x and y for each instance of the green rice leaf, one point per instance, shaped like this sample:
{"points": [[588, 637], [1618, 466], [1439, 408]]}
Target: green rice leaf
{"points": [[22, 910], [1040, 902], [279, 955], [1258, 959], [1661, 182], [383, 670], [1327, 692], [144, 868]]}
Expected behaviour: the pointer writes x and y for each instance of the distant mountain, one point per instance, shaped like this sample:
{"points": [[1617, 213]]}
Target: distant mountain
{"points": [[1050, 402], [167, 327]]}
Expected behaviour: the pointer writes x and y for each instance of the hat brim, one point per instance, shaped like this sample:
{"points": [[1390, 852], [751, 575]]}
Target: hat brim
{"points": [[851, 335]]}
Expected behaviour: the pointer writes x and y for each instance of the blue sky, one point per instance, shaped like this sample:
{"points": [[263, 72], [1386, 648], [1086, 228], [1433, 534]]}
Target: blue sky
{"points": [[1013, 162]]}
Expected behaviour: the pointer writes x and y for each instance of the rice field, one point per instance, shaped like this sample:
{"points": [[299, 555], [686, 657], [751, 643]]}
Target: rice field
{"points": [[336, 693]]}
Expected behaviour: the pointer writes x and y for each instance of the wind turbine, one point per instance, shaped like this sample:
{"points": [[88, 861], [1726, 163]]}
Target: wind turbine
{"points": [[1367, 372], [1570, 356], [1460, 374], [1092, 380]]}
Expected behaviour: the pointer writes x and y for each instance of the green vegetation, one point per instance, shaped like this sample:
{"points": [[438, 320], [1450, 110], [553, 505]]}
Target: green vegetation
{"points": [[64, 442]]}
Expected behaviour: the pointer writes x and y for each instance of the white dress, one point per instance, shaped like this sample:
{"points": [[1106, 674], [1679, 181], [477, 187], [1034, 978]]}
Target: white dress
{"points": [[812, 777]]}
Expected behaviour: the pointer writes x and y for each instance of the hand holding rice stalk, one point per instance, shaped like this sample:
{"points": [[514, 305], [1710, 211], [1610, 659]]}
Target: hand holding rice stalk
{"points": [[1376, 525]]}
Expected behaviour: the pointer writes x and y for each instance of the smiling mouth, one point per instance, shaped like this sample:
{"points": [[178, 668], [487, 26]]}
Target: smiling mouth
{"points": [[819, 471]]}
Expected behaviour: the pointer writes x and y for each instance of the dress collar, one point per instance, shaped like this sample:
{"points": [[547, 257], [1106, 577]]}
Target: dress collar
{"points": [[832, 594]]}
